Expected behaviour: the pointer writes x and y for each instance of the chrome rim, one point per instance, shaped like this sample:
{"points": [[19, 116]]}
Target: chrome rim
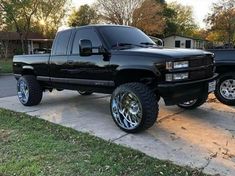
{"points": [[82, 92], [23, 91], [227, 89], [188, 103], [127, 110]]}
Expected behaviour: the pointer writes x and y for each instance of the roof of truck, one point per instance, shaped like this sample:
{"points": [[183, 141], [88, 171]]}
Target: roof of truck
{"points": [[96, 25]]}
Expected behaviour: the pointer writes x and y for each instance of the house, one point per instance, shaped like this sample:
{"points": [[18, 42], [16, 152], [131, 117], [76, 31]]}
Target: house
{"points": [[178, 41], [10, 43]]}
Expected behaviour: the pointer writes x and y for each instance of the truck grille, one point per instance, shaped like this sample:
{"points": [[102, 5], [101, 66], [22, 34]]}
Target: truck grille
{"points": [[201, 73], [200, 61], [193, 75]]}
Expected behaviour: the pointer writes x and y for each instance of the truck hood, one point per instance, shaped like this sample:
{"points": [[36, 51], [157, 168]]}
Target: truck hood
{"points": [[163, 53]]}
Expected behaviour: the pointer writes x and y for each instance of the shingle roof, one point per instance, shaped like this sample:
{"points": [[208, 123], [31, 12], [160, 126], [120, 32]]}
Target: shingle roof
{"points": [[16, 36]]}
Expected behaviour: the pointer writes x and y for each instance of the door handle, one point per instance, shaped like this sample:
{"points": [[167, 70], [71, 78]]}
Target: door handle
{"points": [[70, 62]]}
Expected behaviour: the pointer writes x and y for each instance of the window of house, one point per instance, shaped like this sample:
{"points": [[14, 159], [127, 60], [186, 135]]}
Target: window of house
{"points": [[177, 43], [188, 44]]}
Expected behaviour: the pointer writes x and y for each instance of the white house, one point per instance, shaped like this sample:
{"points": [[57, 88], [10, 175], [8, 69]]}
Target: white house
{"points": [[178, 41]]}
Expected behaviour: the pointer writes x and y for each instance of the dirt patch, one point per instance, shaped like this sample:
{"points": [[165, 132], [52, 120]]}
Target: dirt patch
{"points": [[4, 135]]}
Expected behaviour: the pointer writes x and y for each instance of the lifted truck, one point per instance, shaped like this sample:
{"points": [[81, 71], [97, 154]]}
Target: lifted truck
{"points": [[124, 62]]}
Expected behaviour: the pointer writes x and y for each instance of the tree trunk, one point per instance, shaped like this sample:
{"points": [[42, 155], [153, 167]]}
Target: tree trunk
{"points": [[22, 43], [6, 49]]}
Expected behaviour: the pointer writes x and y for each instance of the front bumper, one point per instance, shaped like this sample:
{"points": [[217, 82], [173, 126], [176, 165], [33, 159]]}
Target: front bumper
{"points": [[174, 93]]}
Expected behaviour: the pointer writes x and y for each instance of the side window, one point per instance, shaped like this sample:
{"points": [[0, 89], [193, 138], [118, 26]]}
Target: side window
{"points": [[88, 34], [62, 42]]}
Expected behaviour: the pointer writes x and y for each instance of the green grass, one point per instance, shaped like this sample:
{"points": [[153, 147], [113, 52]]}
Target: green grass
{"points": [[30, 146], [6, 65]]}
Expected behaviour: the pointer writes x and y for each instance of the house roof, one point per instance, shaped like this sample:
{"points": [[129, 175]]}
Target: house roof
{"points": [[16, 36], [193, 38]]}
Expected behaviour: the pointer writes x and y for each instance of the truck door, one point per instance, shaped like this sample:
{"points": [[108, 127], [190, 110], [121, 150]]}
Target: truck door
{"points": [[59, 57], [87, 70]]}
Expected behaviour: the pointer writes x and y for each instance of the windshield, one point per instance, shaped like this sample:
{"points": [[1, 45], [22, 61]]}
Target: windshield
{"points": [[117, 36]]}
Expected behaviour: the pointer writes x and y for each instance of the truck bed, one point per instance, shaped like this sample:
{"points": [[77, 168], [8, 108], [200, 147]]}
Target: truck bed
{"points": [[224, 55], [41, 60]]}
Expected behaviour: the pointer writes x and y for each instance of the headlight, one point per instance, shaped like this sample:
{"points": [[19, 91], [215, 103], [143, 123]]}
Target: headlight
{"points": [[177, 65], [177, 76]]}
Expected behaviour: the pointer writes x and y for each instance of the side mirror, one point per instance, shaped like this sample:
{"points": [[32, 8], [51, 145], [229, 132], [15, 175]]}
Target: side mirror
{"points": [[85, 47]]}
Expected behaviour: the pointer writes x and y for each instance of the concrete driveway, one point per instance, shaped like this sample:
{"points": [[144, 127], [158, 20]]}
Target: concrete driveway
{"points": [[7, 85], [202, 138]]}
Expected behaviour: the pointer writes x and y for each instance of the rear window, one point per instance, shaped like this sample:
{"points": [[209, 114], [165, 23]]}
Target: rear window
{"points": [[62, 42]]}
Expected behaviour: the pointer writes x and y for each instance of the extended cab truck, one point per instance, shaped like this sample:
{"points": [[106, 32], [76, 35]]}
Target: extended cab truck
{"points": [[225, 67], [121, 61]]}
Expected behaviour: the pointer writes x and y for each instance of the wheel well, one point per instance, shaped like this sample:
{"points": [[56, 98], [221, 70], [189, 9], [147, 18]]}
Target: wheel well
{"points": [[225, 69], [134, 75], [27, 72]]}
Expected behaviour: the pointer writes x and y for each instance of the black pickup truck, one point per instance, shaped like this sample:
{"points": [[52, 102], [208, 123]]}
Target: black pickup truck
{"points": [[124, 62], [225, 67]]}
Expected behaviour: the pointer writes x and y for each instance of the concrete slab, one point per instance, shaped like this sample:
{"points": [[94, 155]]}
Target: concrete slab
{"points": [[203, 138]]}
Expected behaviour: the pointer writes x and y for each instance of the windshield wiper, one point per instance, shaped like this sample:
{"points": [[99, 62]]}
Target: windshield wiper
{"points": [[127, 44]]}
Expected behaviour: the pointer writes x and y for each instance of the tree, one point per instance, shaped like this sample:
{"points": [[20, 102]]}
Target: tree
{"points": [[222, 20], [83, 16], [19, 13], [149, 17], [118, 11], [171, 26], [24, 16], [180, 19], [49, 16], [1, 20]]}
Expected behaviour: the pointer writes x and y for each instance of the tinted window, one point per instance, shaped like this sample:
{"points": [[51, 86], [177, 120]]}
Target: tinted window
{"points": [[62, 42], [115, 35], [89, 34], [177, 44]]}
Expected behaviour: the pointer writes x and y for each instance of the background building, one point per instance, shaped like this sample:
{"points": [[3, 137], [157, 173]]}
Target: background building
{"points": [[10, 44], [178, 41]]}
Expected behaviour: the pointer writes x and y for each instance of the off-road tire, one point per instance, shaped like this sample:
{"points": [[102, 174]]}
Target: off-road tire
{"points": [[148, 101], [35, 90]]}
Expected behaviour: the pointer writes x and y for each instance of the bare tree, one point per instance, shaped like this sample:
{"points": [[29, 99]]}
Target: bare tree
{"points": [[118, 11]]}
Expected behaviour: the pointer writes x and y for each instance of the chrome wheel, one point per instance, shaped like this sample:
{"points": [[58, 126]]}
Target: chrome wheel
{"points": [[82, 92], [227, 89], [188, 103], [23, 91], [127, 110]]}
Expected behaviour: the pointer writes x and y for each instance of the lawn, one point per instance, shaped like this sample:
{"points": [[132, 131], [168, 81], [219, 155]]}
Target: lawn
{"points": [[30, 146], [6, 65]]}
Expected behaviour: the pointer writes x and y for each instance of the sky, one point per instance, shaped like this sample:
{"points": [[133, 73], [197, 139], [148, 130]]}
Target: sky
{"points": [[200, 7]]}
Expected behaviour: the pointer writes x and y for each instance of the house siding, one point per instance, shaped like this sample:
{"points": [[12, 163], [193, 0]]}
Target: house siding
{"points": [[169, 42]]}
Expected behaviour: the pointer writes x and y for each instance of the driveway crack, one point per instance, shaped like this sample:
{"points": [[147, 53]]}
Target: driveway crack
{"points": [[31, 111], [208, 160], [119, 138], [169, 116]]}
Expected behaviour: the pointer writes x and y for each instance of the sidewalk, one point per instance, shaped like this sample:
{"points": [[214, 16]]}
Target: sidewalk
{"points": [[203, 138]]}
